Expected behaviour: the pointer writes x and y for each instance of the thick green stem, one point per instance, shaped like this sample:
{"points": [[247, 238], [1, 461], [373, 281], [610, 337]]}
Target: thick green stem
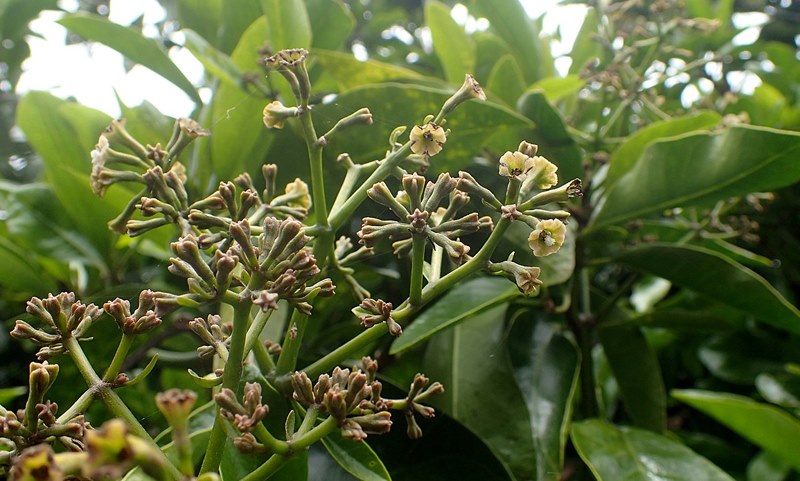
{"points": [[287, 361], [254, 331], [119, 357], [263, 359], [418, 243], [230, 379], [78, 407]]}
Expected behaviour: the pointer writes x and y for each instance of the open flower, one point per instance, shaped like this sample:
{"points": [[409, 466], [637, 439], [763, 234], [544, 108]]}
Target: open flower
{"points": [[516, 164], [275, 114], [427, 139], [547, 238], [542, 175]]}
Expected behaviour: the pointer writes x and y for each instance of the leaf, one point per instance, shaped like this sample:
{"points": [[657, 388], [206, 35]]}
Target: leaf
{"points": [[555, 381], [463, 302], [215, 62], [357, 458], [646, 293], [506, 80], [625, 157], [202, 16], [702, 169], [481, 393], [132, 45], [701, 270], [772, 429], [289, 26], [780, 388], [630, 454], [331, 21], [586, 46], [454, 48], [638, 374], [350, 73], [556, 88], [8, 394], [236, 18], [509, 21], [767, 467]]}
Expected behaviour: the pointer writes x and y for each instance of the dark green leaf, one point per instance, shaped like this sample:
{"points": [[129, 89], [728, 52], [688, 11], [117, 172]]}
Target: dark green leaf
{"points": [[131, 44], [702, 270], [331, 22], [289, 26], [357, 458], [481, 392], [18, 273], [771, 428], [463, 302], [638, 374], [701, 169], [630, 454], [506, 80], [455, 49]]}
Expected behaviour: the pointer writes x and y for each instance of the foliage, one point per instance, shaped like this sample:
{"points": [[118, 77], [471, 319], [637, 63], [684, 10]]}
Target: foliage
{"points": [[662, 343]]}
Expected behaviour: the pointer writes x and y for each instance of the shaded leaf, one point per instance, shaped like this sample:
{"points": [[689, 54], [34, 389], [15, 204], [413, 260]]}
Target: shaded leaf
{"points": [[454, 48], [510, 22], [202, 16], [586, 46], [289, 26], [357, 458], [236, 17], [331, 22], [215, 62], [631, 454], [506, 80]]}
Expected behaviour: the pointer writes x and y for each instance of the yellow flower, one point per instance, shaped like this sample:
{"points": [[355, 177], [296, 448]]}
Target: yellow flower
{"points": [[543, 174], [547, 238], [516, 164], [427, 139], [275, 114]]}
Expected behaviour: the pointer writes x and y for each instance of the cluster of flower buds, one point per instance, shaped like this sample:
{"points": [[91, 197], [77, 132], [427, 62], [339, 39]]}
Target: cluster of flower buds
{"points": [[525, 277], [214, 333], [143, 319], [371, 312], [418, 206], [37, 423], [62, 315], [417, 394], [162, 176], [244, 416]]}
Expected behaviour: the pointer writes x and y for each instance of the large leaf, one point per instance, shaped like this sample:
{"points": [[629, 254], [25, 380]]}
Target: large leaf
{"points": [[289, 26], [350, 72], [771, 428], [703, 270], [555, 380], [331, 21], [202, 16], [357, 458], [702, 169], [506, 80], [236, 17], [638, 374], [586, 46], [481, 393], [630, 454], [455, 49], [131, 44], [215, 62], [629, 151], [18, 272], [461, 303]]}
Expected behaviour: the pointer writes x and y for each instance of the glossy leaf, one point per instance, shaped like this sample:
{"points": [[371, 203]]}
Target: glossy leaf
{"points": [[132, 45], [638, 374], [780, 388], [506, 80], [463, 302], [701, 169], [701, 270], [629, 151], [454, 48], [554, 383], [510, 22], [331, 22], [357, 458], [481, 391], [630, 454], [772, 429], [289, 26]]}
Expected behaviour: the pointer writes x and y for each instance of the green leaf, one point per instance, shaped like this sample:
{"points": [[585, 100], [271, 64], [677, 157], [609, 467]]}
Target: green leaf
{"points": [[627, 154], [463, 302], [638, 374], [215, 62], [510, 22], [630, 454], [236, 17], [332, 23], [767, 467], [586, 46], [8, 394], [202, 16], [481, 392], [780, 388], [506, 80], [357, 458], [454, 48], [701, 270], [555, 381], [350, 73], [702, 169], [289, 26], [131, 44], [768, 427], [556, 88]]}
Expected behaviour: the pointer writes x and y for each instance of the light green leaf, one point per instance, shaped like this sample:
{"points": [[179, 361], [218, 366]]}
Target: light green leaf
{"points": [[331, 22], [510, 22], [289, 26], [131, 44], [701, 270], [236, 17], [626, 155], [506, 80], [350, 73], [701, 169], [454, 48], [630, 454], [215, 62], [556, 88], [18, 274], [772, 429], [481, 392], [357, 458], [463, 302], [8, 394], [780, 388], [202, 16], [586, 46], [767, 467]]}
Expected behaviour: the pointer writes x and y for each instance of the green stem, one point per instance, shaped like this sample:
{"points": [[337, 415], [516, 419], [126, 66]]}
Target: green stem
{"points": [[78, 407], [287, 360], [231, 376], [271, 442], [263, 359], [254, 331], [418, 242], [308, 421], [119, 357]]}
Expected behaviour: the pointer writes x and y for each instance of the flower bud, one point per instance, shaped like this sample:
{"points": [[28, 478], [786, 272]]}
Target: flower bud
{"points": [[470, 89], [176, 405], [303, 391], [36, 463], [526, 278], [380, 193], [335, 404], [276, 114], [466, 183], [438, 191]]}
